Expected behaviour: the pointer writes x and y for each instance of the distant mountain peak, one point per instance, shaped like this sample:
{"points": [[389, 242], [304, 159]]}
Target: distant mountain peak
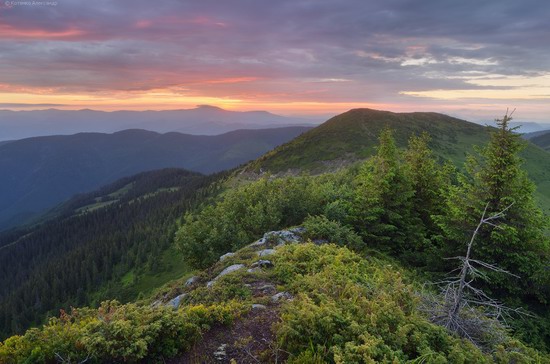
{"points": [[210, 107], [201, 120]]}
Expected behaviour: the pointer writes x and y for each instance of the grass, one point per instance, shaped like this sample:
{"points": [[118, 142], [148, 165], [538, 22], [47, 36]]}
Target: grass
{"points": [[94, 206], [160, 190], [353, 136], [142, 283], [173, 267], [121, 192]]}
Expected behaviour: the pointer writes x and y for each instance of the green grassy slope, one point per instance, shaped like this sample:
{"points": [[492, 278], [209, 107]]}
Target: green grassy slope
{"points": [[354, 135]]}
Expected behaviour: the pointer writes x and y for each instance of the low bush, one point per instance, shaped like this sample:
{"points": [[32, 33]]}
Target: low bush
{"points": [[245, 213], [321, 228], [117, 333], [348, 309]]}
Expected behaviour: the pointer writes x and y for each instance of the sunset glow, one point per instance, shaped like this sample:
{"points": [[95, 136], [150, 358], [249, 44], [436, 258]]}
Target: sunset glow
{"points": [[300, 58]]}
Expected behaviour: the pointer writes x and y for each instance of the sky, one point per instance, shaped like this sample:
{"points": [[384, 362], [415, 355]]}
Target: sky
{"points": [[466, 58]]}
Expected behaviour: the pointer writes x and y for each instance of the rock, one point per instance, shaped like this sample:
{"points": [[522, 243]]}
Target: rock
{"points": [[175, 302], [225, 256], [220, 354], [262, 241], [265, 252], [262, 264], [191, 281], [230, 269], [266, 287], [281, 296], [283, 236], [298, 230], [257, 306], [254, 270]]}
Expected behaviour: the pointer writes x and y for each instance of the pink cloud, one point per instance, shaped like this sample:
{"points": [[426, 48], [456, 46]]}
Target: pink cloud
{"points": [[10, 32]]}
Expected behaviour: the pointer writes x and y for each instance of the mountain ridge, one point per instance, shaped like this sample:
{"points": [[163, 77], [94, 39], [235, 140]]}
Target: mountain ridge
{"points": [[202, 120], [542, 139], [354, 135], [43, 171]]}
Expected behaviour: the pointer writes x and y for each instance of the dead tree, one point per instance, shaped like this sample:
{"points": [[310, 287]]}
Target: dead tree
{"points": [[464, 309], [67, 360]]}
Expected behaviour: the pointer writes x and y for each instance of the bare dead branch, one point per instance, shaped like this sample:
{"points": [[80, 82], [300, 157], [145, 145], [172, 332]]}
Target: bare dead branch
{"points": [[464, 309]]}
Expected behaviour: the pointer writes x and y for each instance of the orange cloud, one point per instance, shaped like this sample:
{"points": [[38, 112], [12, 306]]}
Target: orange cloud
{"points": [[7, 88], [10, 32], [230, 80]]}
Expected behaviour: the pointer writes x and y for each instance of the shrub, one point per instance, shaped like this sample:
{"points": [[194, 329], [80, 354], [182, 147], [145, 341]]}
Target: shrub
{"points": [[352, 310], [321, 228], [245, 213], [117, 333]]}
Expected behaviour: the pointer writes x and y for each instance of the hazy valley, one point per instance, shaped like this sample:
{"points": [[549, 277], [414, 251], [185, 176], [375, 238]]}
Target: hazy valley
{"points": [[44, 171]]}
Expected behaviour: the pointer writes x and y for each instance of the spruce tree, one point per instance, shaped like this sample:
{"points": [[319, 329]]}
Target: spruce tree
{"points": [[382, 206], [429, 181], [518, 244]]}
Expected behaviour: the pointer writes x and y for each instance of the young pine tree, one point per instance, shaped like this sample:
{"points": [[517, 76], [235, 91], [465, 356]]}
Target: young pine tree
{"points": [[518, 244], [429, 181], [383, 200]]}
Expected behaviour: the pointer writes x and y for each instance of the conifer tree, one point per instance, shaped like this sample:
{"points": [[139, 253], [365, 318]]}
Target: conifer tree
{"points": [[429, 181], [496, 179], [382, 207]]}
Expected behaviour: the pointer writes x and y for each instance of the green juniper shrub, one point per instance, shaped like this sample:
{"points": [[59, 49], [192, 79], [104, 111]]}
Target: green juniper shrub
{"points": [[245, 213], [348, 309], [117, 333], [321, 228]]}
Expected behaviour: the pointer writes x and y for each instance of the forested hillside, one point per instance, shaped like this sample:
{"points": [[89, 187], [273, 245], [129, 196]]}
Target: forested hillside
{"points": [[113, 243], [42, 172], [431, 261], [542, 140]]}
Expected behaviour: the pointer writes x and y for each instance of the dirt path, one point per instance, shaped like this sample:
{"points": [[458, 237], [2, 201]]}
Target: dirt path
{"points": [[251, 339]]}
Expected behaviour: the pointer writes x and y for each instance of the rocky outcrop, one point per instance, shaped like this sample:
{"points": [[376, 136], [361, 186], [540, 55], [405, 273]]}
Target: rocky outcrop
{"points": [[281, 296], [264, 247], [285, 236], [266, 252], [191, 281], [262, 264], [252, 335], [225, 256], [259, 242], [293, 235], [226, 271], [175, 302]]}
